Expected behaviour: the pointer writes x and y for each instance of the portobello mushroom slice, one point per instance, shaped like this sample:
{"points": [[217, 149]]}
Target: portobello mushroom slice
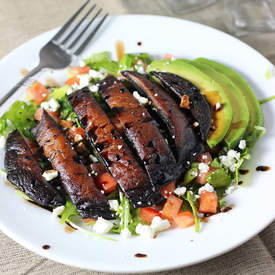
{"points": [[190, 98], [141, 131], [79, 185], [24, 171], [187, 144], [113, 150]]}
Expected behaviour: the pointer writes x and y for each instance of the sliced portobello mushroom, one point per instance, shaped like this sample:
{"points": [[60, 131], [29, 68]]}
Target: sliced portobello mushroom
{"points": [[24, 171], [190, 98], [187, 144], [141, 131], [79, 185], [113, 150]]}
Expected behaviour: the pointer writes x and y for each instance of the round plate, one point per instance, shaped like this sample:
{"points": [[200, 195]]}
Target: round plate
{"points": [[253, 204]]}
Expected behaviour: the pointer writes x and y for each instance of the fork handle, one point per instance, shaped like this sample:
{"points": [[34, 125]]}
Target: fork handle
{"points": [[20, 83]]}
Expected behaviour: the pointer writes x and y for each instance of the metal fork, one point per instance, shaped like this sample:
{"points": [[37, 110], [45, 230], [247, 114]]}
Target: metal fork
{"points": [[58, 52]]}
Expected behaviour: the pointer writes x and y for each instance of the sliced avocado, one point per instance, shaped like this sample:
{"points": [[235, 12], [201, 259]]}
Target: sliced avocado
{"points": [[256, 115], [213, 92], [240, 117]]}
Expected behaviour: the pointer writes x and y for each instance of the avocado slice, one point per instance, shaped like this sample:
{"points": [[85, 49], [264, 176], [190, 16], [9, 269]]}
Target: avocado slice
{"points": [[213, 92], [240, 117], [256, 115]]}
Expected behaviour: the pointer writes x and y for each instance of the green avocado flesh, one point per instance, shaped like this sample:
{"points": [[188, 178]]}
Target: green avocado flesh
{"points": [[240, 117], [211, 89], [256, 115]]}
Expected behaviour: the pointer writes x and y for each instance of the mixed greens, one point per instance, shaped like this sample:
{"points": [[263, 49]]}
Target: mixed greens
{"points": [[216, 173]]}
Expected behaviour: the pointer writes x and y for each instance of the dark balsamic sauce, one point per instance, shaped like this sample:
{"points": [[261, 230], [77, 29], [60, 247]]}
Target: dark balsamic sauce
{"points": [[226, 209], [46, 246], [140, 255], [243, 171], [139, 43], [263, 168]]}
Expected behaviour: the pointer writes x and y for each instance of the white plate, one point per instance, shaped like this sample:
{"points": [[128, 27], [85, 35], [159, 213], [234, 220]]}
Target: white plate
{"points": [[253, 204]]}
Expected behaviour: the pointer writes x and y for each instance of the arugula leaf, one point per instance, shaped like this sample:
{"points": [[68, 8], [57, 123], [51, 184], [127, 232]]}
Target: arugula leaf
{"points": [[20, 116], [192, 200], [58, 93], [265, 100], [102, 62], [67, 111], [189, 176], [128, 61], [69, 211], [129, 217]]}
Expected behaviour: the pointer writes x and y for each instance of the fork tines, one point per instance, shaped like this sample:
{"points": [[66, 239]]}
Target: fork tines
{"points": [[65, 37]]}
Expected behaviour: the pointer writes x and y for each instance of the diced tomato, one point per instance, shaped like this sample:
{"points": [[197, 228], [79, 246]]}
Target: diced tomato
{"points": [[169, 56], [71, 81], [39, 112], [80, 70], [205, 158], [106, 182], [208, 202], [37, 92], [184, 219], [202, 177], [171, 207], [147, 214], [89, 220], [168, 190]]}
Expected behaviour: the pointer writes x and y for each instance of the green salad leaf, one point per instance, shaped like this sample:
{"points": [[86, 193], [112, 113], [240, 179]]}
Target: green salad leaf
{"points": [[128, 61], [102, 62], [69, 211], [67, 111], [20, 116], [58, 93], [219, 178]]}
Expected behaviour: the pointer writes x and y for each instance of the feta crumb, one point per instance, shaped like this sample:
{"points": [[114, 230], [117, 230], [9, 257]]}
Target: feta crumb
{"points": [[230, 190], [158, 224], [102, 226], [2, 142], [196, 124], [69, 91], [114, 204], [180, 191], [75, 86], [58, 211], [84, 80], [207, 187], [233, 154], [203, 167], [50, 175], [119, 147], [78, 138], [242, 144], [93, 158], [194, 173], [125, 233], [94, 88], [145, 231], [96, 74], [218, 105], [51, 105], [142, 100]]}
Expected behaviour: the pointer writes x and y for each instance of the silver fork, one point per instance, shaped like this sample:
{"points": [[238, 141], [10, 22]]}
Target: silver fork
{"points": [[58, 52]]}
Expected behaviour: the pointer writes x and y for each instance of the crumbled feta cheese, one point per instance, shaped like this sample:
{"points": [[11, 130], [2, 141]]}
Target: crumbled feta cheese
{"points": [[230, 190], [94, 88], [2, 142], [233, 154], [142, 100], [58, 211], [119, 147], [75, 86], [50, 175], [207, 187], [114, 204], [77, 138], [69, 91], [51, 105], [226, 161], [196, 124], [145, 231], [194, 173], [125, 233], [84, 80], [96, 74], [242, 144], [180, 191], [102, 226], [93, 158], [158, 224], [203, 167], [218, 105]]}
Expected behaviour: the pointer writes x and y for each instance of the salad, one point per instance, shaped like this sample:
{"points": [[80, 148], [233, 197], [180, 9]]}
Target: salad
{"points": [[135, 146]]}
